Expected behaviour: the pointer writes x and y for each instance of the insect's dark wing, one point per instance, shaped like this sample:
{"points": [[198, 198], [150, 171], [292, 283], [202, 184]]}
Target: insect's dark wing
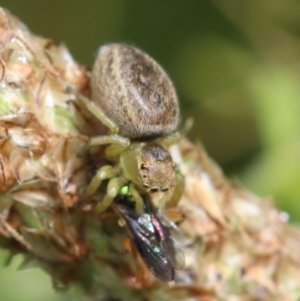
{"points": [[171, 243], [143, 236], [164, 230], [154, 257]]}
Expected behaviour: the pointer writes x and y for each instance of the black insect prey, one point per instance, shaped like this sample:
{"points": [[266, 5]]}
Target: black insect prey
{"points": [[151, 237]]}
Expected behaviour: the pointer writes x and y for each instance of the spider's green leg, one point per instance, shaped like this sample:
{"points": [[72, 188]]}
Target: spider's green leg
{"points": [[139, 203], [105, 172], [175, 137], [113, 187], [163, 201], [112, 139], [120, 141], [178, 191], [99, 113], [115, 150]]}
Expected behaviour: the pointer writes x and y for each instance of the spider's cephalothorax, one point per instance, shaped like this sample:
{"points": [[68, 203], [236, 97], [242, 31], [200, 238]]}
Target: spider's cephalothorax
{"points": [[134, 97], [156, 168]]}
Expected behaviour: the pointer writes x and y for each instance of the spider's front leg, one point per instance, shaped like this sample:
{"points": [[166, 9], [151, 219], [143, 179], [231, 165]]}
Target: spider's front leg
{"points": [[178, 191], [139, 203], [105, 172], [113, 188], [172, 196], [129, 191]]}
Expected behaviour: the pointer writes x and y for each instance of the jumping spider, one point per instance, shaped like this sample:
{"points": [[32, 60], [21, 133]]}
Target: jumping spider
{"points": [[135, 99]]}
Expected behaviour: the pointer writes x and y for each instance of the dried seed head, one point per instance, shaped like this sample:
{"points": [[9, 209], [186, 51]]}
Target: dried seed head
{"points": [[135, 92]]}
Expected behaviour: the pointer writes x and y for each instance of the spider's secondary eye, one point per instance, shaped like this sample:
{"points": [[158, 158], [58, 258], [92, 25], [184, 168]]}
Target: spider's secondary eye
{"points": [[165, 189], [144, 166], [154, 190]]}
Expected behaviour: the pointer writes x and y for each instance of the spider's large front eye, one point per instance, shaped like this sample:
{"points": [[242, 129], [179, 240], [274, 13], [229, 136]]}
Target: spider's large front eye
{"points": [[143, 167]]}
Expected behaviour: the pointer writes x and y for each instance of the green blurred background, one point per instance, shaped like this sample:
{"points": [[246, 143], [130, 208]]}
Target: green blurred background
{"points": [[236, 66]]}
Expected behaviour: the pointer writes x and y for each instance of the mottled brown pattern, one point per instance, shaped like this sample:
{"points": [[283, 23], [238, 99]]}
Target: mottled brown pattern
{"points": [[135, 92]]}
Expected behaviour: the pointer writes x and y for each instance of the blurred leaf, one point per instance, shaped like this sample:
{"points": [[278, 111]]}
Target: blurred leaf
{"points": [[276, 94]]}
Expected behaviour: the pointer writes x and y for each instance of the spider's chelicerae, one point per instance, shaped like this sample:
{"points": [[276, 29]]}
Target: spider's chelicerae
{"points": [[134, 97]]}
